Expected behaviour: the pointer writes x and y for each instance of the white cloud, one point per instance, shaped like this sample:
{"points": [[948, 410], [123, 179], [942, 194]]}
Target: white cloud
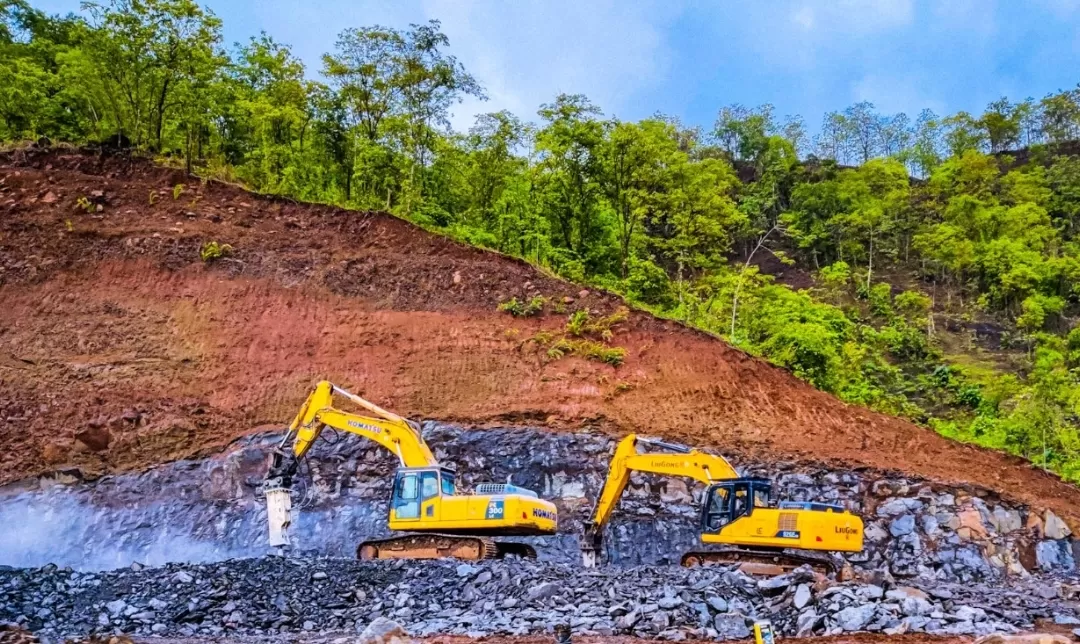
{"points": [[525, 53], [895, 93], [853, 16]]}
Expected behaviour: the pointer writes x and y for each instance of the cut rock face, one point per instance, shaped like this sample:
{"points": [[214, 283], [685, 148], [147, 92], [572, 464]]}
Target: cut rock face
{"points": [[208, 510]]}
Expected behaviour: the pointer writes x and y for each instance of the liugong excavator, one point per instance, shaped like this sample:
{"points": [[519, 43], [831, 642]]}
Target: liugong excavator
{"points": [[737, 513], [424, 501]]}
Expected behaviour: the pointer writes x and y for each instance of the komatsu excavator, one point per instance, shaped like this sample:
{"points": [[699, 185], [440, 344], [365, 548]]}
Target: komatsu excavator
{"points": [[424, 502], [737, 513]]}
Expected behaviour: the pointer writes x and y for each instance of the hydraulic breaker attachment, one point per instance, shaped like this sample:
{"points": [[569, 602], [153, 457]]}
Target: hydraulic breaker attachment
{"points": [[590, 543], [279, 515]]}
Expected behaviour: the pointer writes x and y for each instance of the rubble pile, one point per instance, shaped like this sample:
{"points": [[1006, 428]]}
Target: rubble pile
{"points": [[275, 595]]}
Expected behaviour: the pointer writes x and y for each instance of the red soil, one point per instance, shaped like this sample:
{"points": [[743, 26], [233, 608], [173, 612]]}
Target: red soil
{"points": [[113, 329]]}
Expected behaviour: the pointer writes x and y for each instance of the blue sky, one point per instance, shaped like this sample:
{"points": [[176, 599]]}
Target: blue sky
{"points": [[690, 58]]}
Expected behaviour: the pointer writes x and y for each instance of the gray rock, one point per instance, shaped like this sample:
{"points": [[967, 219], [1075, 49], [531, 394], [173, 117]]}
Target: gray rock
{"points": [[383, 631], [802, 596], [896, 507], [902, 525], [319, 576], [182, 577], [465, 570], [668, 603], [1052, 555], [806, 623], [774, 585], [875, 532], [543, 591], [627, 622], [913, 605], [159, 628], [969, 614], [1005, 521], [731, 626], [718, 604], [116, 607], [1068, 620], [855, 618], [1054, 527], [930, 526]]}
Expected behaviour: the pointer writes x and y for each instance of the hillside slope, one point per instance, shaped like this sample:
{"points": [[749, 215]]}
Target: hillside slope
{"points": [[120, 348]]}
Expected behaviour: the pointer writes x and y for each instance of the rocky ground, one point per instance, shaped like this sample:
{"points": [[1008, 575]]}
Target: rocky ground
{"points": [[316, 596]]}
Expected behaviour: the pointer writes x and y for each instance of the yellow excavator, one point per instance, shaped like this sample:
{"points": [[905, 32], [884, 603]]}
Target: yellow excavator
{"points": [[425, 501], [737, 514]]}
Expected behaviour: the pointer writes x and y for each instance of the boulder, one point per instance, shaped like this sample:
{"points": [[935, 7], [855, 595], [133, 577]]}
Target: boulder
{"points": [[802, 596], [901, 593], [875, 532], [905, 524], [1006, 521], [896, 507], [971, 524], [384, 631], [855, 618], [916, 606], [806, 623], [543, 591], [731, 626], [1054, 527]]}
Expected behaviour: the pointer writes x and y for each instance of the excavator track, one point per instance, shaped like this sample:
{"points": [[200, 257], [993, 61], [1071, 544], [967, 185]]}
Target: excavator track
{"points": [[441, 546], [764, 561]]}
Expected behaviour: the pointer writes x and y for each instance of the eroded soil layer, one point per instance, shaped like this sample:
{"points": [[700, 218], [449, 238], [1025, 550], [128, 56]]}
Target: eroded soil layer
{"points": [[120, 348]]}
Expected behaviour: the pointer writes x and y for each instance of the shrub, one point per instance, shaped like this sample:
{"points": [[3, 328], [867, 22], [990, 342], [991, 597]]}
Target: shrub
{"points": [[212, 250], [521, 309]]}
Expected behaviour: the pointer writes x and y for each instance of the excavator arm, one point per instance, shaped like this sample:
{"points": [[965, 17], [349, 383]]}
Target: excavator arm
{"points": [[396, 434], [677, 460]]}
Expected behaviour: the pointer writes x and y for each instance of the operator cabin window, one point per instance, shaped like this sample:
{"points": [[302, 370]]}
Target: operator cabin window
{"points": [[408, 505], [447, 484], [429, 485]]}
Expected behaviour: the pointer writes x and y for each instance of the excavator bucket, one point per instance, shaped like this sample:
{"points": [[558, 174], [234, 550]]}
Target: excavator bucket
{"points": [[279, 516]]}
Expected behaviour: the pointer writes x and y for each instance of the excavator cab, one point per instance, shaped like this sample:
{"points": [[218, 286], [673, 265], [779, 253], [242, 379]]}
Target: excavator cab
{"points": [[730, 500], [416, 490]]}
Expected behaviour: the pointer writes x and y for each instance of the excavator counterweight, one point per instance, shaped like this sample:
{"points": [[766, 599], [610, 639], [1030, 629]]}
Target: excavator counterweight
{"points": [[738, 517], [424, 501]]}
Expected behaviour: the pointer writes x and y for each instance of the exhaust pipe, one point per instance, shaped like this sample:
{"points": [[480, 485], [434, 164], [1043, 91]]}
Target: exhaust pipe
{"points": [[279, 515]]}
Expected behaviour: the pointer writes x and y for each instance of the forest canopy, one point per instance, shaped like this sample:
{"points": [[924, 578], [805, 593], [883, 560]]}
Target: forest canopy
{"points": [[926, 266]]}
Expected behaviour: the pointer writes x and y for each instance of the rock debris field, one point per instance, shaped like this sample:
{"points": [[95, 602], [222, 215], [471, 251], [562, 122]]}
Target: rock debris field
{"points": [[319, 596]]}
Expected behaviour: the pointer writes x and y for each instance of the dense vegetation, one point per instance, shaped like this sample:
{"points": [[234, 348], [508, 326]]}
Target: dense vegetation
{"points": [[904, 236]]}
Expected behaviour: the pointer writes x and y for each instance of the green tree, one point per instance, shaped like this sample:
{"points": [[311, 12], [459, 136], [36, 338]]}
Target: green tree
{"points": [[144, 56]]}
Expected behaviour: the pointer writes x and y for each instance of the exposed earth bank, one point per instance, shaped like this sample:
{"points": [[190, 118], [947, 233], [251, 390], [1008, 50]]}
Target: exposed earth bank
{"points": [[120, 348]]}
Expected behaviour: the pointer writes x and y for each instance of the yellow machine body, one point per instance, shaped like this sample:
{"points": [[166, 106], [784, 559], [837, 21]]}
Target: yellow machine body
{"points": [[423, 500], [737, 512]]}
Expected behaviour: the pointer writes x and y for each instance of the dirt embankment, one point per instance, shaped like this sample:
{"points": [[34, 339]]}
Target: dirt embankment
{"points": [[120, 348]]}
